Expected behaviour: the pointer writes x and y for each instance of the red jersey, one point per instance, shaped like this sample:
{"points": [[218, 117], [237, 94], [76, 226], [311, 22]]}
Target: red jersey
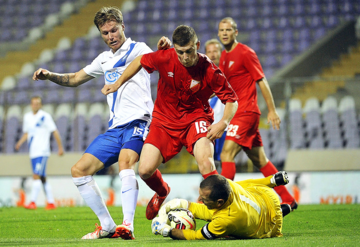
{"points": [[183, 92], [242, 68]]}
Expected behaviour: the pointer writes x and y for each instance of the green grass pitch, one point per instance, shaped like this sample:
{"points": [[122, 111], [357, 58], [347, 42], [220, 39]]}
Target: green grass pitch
{"points": [[310, 225]]}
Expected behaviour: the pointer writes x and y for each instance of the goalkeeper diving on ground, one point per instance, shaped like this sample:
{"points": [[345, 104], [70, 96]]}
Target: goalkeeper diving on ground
{"points": [[244, 209]]}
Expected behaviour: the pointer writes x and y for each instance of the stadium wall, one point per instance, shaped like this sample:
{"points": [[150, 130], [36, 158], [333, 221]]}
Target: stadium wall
{"points": [[307, 188], [296, 161]]}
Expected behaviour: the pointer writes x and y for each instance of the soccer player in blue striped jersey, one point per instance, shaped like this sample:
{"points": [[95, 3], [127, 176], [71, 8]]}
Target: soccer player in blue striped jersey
{"points": [[130, 115]]}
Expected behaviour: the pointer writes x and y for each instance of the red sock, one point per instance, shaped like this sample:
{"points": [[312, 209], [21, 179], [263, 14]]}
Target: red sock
{"points": [[209, 174], [157, 184], [228, 170], [270, 169]]}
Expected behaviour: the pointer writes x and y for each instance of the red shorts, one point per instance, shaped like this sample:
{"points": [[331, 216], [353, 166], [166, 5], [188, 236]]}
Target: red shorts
{"points": [[170, 141], [244, 130]]}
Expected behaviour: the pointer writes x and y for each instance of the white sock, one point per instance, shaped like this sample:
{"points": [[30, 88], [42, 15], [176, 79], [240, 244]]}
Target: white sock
{"points": [[36, 187], [129, 196], [48, 192], [91, 194]]}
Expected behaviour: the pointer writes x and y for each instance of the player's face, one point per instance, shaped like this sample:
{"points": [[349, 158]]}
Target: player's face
{"points": [[187, 54], [113, 34], [213, 51], [227, 34], [204, 197], [35, 105]]}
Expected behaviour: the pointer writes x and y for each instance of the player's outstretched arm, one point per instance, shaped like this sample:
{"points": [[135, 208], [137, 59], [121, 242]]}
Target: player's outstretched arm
{"points": [[59, 143], [21, 141], [215, 131], [134, 67], [273, 116], [164, 43], [66, 80]]}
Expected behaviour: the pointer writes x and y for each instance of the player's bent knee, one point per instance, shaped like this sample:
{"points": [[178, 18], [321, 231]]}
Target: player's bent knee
{"points": [[145, 173]]}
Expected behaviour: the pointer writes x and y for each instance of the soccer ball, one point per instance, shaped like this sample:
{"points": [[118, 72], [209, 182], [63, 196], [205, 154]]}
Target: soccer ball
{"points": [[182, 219]]}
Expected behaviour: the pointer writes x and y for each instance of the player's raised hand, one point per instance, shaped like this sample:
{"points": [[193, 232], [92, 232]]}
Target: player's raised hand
{"points": [[274, 118], [41, 74], [164, 43], [107, 89], [215, 131]]}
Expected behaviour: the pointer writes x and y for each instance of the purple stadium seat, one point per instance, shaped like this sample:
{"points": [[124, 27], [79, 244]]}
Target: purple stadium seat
{"points": [[303, 45], [283, 23], [304, 34], [315, 22], [282, 9], [59, 67], [84, 94], [330, 8], [332, 21], [20, 97], [77, 54], [270, 47], [52, 96], [319, 33], [24, 83], [299, 22], [255, 35], [287, 47], [314, 8], [286, 59], [95, 128], [271, 61], [298, 9], [251, 24], [68, 95], [5, 35], [61, 56], [74, 66]]}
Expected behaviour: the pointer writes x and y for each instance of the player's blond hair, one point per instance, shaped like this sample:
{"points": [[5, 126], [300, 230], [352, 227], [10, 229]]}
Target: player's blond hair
{"points": [[36, 97], [108, 14], [213, 42], [230, 20]]}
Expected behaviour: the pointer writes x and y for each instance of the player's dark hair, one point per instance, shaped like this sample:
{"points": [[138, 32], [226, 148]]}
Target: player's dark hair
{"points": [[219, 187], [183, 34], [108, 14]]}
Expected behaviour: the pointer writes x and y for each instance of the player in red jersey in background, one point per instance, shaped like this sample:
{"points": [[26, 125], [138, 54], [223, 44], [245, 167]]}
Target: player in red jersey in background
{"points": [[182, 115], [242, 68]]}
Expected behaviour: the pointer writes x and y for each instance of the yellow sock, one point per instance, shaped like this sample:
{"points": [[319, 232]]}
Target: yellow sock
{"points": [[264, 181]]}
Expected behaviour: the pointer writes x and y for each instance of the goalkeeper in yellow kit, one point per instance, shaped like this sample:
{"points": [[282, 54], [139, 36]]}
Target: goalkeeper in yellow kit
{"points": [[244, 209]]}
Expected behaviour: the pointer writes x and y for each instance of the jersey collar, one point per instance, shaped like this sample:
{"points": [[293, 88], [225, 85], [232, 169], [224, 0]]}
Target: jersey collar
{"points": [[124, 46]]}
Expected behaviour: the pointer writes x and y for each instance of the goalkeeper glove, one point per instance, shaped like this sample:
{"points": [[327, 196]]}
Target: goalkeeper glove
{"points": [[160, 228], [171, 205]]}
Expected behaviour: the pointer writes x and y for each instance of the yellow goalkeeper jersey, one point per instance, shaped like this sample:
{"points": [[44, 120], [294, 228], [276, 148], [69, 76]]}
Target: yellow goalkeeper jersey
{"points": [[252, 211]]}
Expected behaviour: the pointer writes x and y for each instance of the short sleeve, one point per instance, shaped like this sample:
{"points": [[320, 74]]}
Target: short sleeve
{"points": [[252, 64], [50, 124], [148, 62], [94, 69], [143, 49], [222, 87], [25, 127]]}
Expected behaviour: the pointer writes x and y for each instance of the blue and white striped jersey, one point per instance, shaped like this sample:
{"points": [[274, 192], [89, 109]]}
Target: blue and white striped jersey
{"points": [[38, 126], [133, 99]]}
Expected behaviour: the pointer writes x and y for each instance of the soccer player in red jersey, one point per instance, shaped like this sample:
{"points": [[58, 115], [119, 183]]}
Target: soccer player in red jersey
{"points": [[182, 115], [242, 68]]}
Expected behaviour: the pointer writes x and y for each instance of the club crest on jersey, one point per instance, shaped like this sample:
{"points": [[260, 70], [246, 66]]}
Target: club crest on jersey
{"points": [[112, 76], [195, 85]]}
